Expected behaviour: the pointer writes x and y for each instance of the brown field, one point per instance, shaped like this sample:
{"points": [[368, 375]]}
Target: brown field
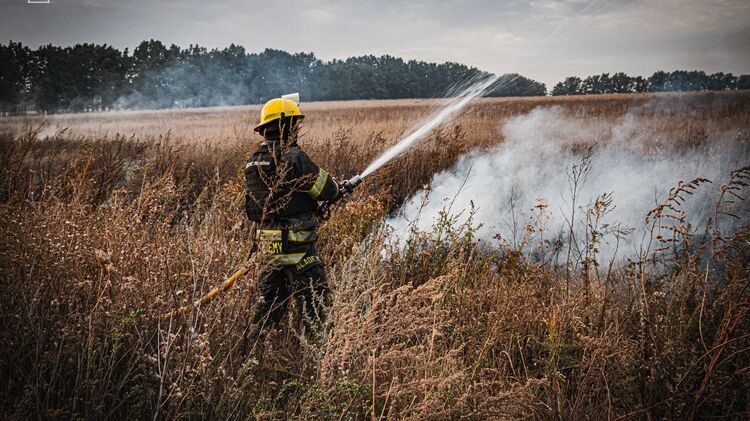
{"points": [[362, 118], [108, 220]]}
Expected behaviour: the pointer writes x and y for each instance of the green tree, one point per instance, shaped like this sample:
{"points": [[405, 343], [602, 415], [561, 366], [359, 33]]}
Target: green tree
{"points": [[620, 83], [15, 74], [89, 77], [681, 80], [570, 86], [513, 84], [638, 84], [658, 82], [51, 77], [722, 82]]}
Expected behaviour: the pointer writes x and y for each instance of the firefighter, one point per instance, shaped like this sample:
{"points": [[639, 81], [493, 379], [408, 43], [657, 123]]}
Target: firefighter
{"points": [[283, 190]]}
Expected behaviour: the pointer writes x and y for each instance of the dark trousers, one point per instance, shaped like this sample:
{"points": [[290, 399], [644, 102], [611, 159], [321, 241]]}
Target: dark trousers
{"points": [[279, 285]]}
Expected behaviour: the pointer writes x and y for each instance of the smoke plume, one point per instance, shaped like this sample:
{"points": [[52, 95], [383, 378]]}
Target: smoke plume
{"points": [[632, 158]]}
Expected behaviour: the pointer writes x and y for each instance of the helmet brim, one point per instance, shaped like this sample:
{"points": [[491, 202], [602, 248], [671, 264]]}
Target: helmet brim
{"points": [[260, 126]]}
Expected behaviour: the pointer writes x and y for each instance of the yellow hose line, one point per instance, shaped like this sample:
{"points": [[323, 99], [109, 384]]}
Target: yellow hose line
{"points": [[212, 294]]}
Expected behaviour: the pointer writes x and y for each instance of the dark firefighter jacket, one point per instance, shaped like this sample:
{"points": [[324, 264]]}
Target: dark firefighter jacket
{"points": [[283, 189]]}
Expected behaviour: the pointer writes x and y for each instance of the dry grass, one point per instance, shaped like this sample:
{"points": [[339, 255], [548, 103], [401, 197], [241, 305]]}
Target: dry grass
{"points": [[101, 234]]}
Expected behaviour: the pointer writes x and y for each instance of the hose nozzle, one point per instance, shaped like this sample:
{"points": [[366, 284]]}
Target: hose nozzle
{"points": [[351, 183]]}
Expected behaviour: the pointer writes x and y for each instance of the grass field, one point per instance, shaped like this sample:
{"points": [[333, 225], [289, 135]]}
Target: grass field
{"points": [[108, 220]]}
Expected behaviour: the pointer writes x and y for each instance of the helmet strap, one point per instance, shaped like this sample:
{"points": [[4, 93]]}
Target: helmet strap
{"points": [[284, 130]]}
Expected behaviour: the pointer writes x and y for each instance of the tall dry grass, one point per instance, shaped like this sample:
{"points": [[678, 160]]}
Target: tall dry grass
{"points": [[100, 235]]}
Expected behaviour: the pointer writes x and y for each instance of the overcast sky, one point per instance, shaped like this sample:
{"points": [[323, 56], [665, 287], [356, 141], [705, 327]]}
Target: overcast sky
{"points": [[544, 39]]}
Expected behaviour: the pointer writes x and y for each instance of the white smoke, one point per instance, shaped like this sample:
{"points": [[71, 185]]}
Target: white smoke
{"points": [[638, 164]]}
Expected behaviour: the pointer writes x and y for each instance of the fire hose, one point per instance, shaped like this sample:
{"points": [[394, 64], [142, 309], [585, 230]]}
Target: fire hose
{"points": [[323, 209], [244, 269]]}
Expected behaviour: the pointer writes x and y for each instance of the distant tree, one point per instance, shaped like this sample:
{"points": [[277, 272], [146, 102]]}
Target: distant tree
{"points": [[15, 74], [596, 84], [153, 76], [230, 64], [682, 80], [722, 82], [620, 83], [570, 86], [50, 79], [658, 82], [606, 84], [97, 73], [638, 84], [513, 84], [743, 82]]}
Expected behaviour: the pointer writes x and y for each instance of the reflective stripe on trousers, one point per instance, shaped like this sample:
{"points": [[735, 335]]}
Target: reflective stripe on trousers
{"points": [[294, 236], [272, 245]]}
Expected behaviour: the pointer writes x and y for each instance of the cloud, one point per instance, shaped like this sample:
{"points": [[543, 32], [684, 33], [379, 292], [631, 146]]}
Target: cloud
{"points": [[543, 39], [321, 16]]}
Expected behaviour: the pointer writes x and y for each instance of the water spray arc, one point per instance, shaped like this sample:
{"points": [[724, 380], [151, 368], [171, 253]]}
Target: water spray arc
{"points": [[449, 111]]}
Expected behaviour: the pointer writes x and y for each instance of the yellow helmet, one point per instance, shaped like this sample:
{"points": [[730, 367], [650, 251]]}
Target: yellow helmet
{"points": [[276, 109]]}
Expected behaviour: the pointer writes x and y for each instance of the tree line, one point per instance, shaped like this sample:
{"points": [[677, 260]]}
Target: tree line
{"points": [[660, 81], [91, 77]]}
